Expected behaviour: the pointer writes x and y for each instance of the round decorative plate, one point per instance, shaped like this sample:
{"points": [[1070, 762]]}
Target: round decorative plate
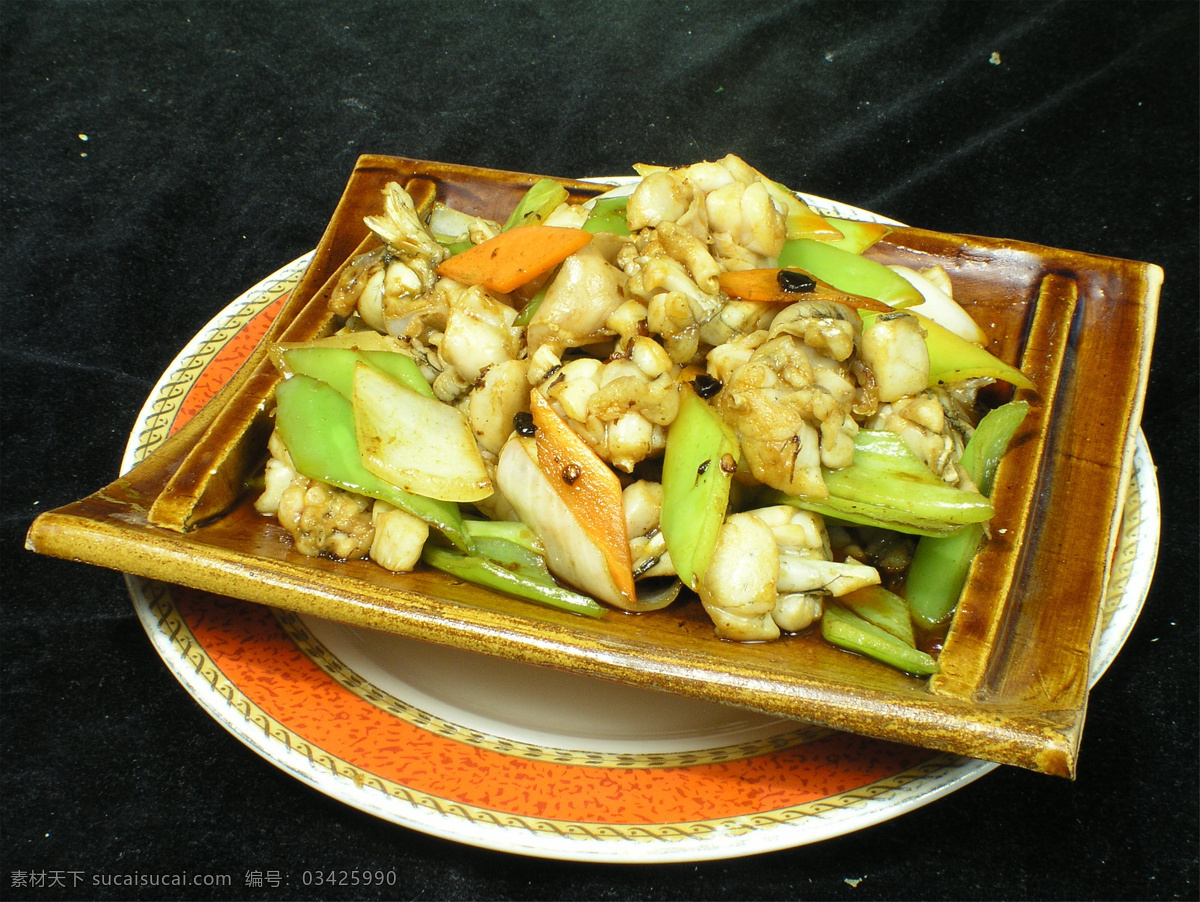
{"points": [[522, 759]]}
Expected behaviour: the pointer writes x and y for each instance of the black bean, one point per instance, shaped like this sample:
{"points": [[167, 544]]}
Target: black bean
{"points": [[523, 423], [706, 386], [796, 282]]}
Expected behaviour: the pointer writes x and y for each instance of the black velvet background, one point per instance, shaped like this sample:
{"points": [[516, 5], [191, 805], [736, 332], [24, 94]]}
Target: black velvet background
{"points": [[219, 137]]}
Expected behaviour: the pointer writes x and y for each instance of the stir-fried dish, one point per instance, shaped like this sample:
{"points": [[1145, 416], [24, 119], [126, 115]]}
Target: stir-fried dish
{"points": [[693, 386]]}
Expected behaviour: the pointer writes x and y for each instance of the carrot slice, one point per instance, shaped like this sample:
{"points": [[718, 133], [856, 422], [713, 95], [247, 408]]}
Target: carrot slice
{"points": [[587, 486], [764, 285], [514, 257]]}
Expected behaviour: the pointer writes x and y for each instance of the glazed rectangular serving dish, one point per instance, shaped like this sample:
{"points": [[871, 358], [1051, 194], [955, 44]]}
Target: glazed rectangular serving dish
{"points": [[1014, 682]]}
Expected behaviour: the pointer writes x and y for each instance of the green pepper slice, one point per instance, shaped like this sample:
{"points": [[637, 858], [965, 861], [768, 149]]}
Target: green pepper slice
{"points": [[538, 202], [608, 215], [848, 272], [513, 531], [335, 366], [316, 424], [698, 464], [940, 566], [526, 314], [847, 630], [888, 486], [857, 236], [952, 358], [510, 568], [885, 609]]}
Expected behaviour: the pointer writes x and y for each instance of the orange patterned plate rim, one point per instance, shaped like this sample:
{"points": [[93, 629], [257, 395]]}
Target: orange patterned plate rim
{"points": [[325, 703]]}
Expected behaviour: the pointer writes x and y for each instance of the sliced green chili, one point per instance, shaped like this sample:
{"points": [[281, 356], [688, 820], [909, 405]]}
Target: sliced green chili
{"points": [[454, 245], [849, 272], [526, 313], [890, 487], [510, 568], [992, 437], [511, 530], [698, 464], [538, 202], [952, 358], [847, 630], [335, 366], [940, 565], [856, 236], [316, 424], [885, 609], [608, 214]]}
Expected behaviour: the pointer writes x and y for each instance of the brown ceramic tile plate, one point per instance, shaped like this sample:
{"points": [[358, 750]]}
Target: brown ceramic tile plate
{"points": [[1014, 679]]}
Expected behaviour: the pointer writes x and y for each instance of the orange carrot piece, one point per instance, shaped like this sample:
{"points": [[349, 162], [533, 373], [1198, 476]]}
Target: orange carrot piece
{"points": [[514, 257], [763, 285], [587, 486], [754, 285]]}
